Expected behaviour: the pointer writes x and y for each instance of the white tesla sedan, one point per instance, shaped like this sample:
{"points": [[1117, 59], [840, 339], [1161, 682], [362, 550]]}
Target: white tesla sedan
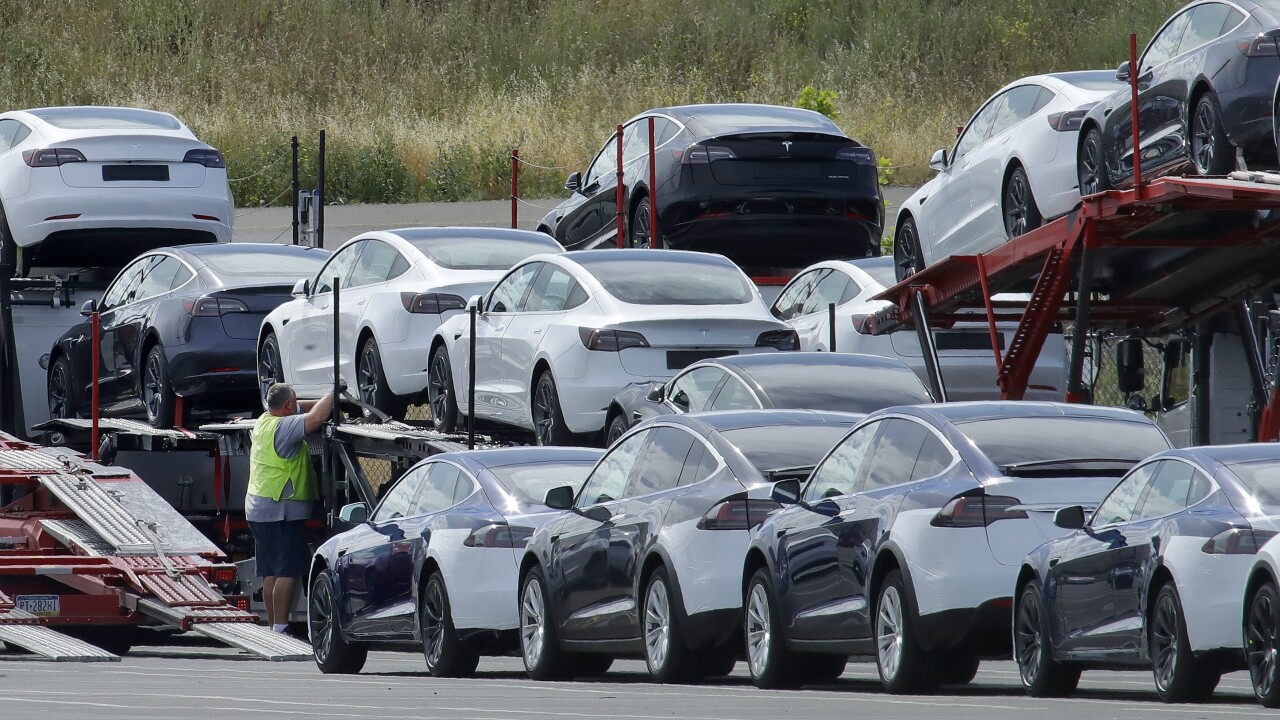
{"points": [[964, 351], [593, 322], [1013, 166], [395, 288], [104, 182]]}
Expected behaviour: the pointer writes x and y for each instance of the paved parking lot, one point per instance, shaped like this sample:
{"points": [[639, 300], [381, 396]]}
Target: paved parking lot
{"points": [[194, 681]]}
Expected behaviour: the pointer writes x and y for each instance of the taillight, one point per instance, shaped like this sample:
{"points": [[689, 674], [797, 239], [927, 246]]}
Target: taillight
{"points": [[737, 514], [1259, 46], [209, 306], [611, 340], [499, 536], [239, 602], [207, 157], [51, 157], [431, 303], [1069, 121], [860, 155], [1237, 541], [779, 339], [704, 154], [223, 573], [978, 511]]}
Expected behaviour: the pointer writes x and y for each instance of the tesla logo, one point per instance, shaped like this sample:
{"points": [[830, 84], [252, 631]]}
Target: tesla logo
{"points": [[705, 332], [786, 146]]}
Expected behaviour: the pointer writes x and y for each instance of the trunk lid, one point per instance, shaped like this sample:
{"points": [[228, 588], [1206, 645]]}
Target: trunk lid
{"points": [[132, 161], [792, 159], [1040, 497]]}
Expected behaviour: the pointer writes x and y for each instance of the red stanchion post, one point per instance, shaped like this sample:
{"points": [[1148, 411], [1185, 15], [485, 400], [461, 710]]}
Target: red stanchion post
{"points": [[1134, 71], [515, 184], [93, 376], [653, 191], [621, 219]]}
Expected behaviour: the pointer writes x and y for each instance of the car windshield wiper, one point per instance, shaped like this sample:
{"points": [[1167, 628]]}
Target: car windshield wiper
{"points": [[1043, 464]]}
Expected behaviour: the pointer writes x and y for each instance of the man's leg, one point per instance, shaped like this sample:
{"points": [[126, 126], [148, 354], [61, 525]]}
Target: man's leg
{"points": [[283, 599], [269, 598]]}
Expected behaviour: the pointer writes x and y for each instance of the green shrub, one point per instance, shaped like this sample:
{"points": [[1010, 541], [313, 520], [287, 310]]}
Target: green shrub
{"points": [[822, 101]]}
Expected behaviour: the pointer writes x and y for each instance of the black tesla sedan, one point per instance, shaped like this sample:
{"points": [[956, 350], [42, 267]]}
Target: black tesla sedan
{"points": [[773, 188], [841, 382], [178, 322], [1206, 83]]}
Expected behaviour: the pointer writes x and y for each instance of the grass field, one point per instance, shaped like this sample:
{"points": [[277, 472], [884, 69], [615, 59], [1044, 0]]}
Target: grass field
{"points": [[423, 99]]}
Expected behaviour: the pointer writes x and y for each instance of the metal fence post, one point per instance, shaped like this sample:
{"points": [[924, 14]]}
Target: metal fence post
{"points": [[94, 377], [618, 175], [471, 384], [319, 208], [293, 202], [653, 190], [831, 324], [515, 184]]}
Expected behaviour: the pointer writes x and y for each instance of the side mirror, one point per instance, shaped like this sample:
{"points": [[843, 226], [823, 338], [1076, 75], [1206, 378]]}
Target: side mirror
{"points": [[1069, 518], [657, 392], [1139, 403], [355, 513], [559, 498], [1131, 373], [476, 301], [939, 160], [88, 308], [1122, 72], [574, 182], [786, 492], [302, 288]]}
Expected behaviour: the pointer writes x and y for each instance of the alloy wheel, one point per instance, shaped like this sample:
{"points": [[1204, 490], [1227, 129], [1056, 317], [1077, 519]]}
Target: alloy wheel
{"points": [[1260, 644], [1015, 205], [906, 250], [1164, 641], [438, 383], [1089, 166], [657, 625], [153, 386], [268, 362], [321, 619], [532, 619], [1027, 642], [759, 632], [58, 393], [640, 233], [1203, 129], [433, 623], [889, 632], [367, 374], [544, 419]]}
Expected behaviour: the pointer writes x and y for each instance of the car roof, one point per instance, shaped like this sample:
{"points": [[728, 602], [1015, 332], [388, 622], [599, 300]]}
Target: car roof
{"points": [[449, 233], [746, 363], [503, 457], [155, 120], [725, 420], [207, 249], [962, 412], [587, 258], [712, 119], [1229, 454]]}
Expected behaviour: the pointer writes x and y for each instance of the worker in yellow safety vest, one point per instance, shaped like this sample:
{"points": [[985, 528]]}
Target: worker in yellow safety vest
{"points": [[282, 490]]}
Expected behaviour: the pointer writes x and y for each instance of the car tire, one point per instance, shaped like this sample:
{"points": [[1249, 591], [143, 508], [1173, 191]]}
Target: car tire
{"points": [[548, 419], [823, 668], [446, 654], [591, 665], [1091, 165], [1041, 675], [63, 390], [440, 392], [903, 665], [539, 637], [638, 230], [618, 427], [156, 389], [1021, 214], [371, 381], [1211, 151], [957, 668], [333, 654], [1179, 677], [718, 663], [9, 247], [665, 652], [1262, 644], [270, 366], [907, 257], [771, 664]]}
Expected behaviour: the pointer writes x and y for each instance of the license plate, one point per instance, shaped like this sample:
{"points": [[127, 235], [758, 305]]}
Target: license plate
{"points": [[680, 359], [155, 173], [42, 605]]}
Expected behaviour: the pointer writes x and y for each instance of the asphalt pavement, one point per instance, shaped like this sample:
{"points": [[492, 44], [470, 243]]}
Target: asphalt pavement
{"points": [[342, 222], [207, 682]]}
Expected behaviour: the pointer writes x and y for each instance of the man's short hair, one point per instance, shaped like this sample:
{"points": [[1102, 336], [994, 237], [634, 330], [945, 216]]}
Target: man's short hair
{"points": [[279, 395]]}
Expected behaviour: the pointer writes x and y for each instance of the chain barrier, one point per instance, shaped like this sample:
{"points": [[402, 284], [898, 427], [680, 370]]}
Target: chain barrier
{"points": [[256, 208], [263, 169]]}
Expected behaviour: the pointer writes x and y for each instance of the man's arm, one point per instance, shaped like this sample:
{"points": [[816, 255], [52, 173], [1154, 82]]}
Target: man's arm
{"points": [[318, 412]]}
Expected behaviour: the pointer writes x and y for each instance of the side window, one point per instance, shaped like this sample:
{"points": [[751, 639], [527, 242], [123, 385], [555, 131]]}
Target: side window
{"points": [[699, 465], [1046, 96], [833, 288], [508, 296], [577, 296], [663, 130], [1208, 21], [734, 395], [1018, 105], [691, 391], [1165, 45], [979, 129], [605, 164], [550, 291], [661, 462], [841, 473], [339, 266], [894, 457], [8, 131], [608, 481], [125, 283], [375, 264], [1170, 491], [791, 301], [934, 457], [159, 279], [635, 140], [181, 277], [1176, 383], [1118, 507], [439, 490], [398, 501]]}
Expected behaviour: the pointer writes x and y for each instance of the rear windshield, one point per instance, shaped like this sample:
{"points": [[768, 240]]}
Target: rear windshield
{"points": [[880, 272], [843, 389], [720, 119], [531, 482], [474, 253], [106, 118], [1064, 443], [1263, 480], [259, 264], [670, 282], [785, 446]]}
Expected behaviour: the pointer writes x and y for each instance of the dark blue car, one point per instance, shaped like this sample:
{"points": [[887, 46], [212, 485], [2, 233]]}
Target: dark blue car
{"points": [[1154, 578], [434, 565]]}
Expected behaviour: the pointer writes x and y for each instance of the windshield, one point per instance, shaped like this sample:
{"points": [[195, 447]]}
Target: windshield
{"points": [[107, 118], [479, 253], [1262, 478], [229, 265], [840, 388], [688, 281], [785, 446], [1047, 444], [530, 483], [881, 272]]}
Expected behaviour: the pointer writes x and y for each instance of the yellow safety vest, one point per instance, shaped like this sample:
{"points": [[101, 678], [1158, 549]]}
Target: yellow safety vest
{"points": [[268, 472]]}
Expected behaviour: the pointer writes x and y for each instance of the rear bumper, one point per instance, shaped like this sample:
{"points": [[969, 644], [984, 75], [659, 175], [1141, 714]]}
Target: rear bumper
{"points": [[229, 366], [987, 628]]}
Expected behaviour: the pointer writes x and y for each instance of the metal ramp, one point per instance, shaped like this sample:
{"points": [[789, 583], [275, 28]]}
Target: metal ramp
{"points": [[230, 626], [49, 643]]}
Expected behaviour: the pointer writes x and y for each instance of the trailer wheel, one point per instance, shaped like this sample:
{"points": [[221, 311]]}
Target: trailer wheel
{"points": [[333, 654]]}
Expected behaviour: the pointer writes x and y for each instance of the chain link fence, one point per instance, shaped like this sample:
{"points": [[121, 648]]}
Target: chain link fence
{"points": [[1100, 369]]}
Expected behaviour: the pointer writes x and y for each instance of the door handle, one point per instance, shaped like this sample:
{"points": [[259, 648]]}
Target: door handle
{"points": [[342, 551], [846, 512], [457, 335], [538, 331], [615, 519]]}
